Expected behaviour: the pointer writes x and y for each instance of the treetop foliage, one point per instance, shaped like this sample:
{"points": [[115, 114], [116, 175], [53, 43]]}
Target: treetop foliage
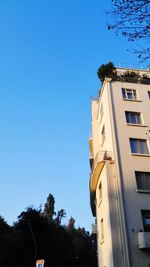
{"points": [[4, 227], [71, 223], [49, 208]]}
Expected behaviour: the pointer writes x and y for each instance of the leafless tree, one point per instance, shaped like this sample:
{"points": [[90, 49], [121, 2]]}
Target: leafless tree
{"points": [[131, 18]]}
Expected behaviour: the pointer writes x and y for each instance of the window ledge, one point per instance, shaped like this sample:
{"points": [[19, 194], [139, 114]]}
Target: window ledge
{"points": [[133, 100], [136, 124], [143, 191], [140, 155]]}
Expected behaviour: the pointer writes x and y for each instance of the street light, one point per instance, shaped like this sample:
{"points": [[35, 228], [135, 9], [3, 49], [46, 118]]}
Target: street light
{"points": [[33, 238]]}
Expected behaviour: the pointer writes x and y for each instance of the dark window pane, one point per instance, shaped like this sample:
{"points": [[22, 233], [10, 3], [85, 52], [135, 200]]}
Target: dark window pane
{"points": [[133, 117], [139, 118], [143, 180], [146, 220], [128, 117], [134, 94], [123, 93], [129, 95], [143, 147], [134, 145], [138, 146]]}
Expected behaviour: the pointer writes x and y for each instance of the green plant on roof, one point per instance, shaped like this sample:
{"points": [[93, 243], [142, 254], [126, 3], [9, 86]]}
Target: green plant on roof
{"points": [[131, 74], [106, 70], [144, 76]]}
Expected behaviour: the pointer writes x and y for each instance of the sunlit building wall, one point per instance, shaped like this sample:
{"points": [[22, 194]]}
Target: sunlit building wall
{"points": [[120, 170]]}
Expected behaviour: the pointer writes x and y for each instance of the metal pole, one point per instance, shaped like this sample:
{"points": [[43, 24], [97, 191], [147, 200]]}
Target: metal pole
{"points": [[34, 239]]}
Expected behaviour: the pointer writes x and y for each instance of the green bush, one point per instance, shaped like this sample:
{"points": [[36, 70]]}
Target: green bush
{"points": [[106, 70], [131, 74]]}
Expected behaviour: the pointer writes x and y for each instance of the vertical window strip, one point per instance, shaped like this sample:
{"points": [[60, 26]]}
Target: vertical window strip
{"points": [[102, 230]]}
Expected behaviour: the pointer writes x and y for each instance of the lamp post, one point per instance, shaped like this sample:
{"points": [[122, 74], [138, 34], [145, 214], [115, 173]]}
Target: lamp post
{"points": [[33, 238]]}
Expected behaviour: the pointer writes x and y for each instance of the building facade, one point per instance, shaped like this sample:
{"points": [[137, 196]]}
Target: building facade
{"points": [[120, 170]]}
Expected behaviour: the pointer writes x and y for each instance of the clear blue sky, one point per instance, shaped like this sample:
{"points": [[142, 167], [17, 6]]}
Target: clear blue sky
{"points": [[49, 55]]}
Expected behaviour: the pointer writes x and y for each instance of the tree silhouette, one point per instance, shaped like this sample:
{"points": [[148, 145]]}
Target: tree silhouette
{"points": [[60, 215], [38, 235], [71, 223], [4, 227], [49, 208]]}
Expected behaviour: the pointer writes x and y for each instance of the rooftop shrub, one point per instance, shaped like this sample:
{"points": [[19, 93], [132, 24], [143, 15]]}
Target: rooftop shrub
{"points": [[106, 70]]}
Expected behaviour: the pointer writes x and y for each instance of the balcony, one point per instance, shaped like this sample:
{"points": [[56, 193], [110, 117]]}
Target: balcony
{"points": [[144, 240], [97, 166]]}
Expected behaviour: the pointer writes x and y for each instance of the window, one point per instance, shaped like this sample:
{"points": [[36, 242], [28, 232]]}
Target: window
{"points": [[100, 191], [129, 94], [138, 146], [146, 220], [101, 111], [143, 180], [133, 117], [102, 230], [149, 95], [103, 133]]}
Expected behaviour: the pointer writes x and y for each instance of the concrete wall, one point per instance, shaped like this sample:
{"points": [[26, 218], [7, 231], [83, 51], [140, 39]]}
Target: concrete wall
{"points": [[110, 249], [134, 201], [103, 213], [121, 204]]}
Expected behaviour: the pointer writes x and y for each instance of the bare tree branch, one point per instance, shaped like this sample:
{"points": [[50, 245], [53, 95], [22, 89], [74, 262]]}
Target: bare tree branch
{"points": [[131, 18]]}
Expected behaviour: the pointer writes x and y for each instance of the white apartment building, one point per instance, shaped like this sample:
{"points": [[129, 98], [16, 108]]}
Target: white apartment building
{"points": [[120, 170]]}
